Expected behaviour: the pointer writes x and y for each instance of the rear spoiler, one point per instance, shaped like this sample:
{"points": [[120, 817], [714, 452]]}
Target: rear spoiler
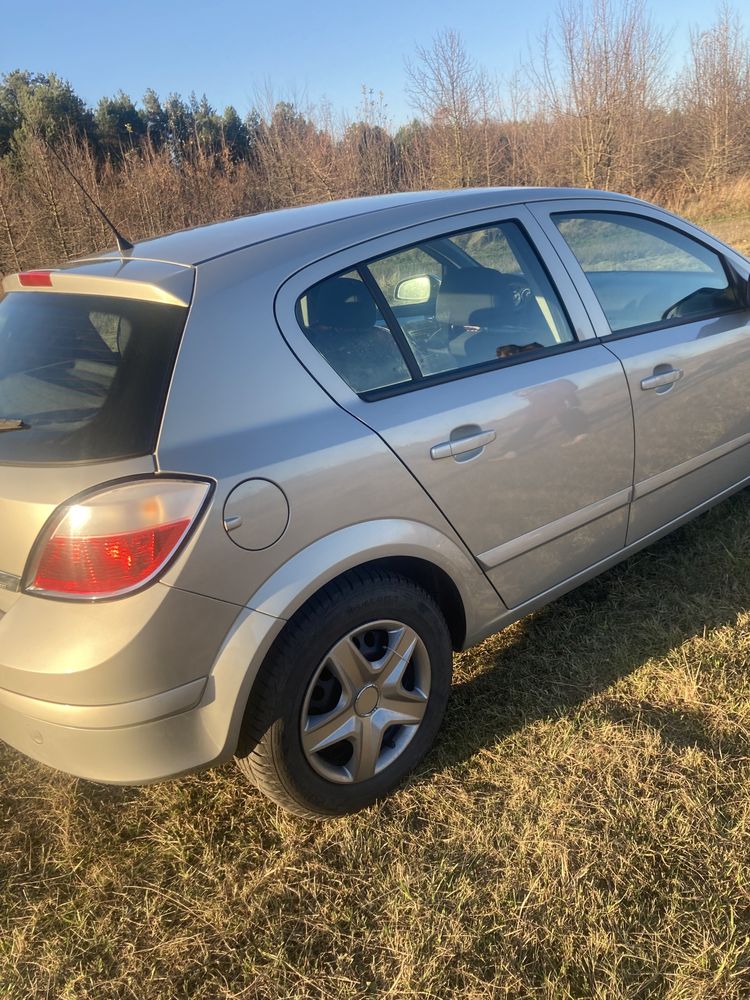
{"points": [[149, 280]]}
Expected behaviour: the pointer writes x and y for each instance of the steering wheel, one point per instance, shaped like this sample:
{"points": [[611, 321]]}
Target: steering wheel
{"points": [[675, 311], [521, 293]]}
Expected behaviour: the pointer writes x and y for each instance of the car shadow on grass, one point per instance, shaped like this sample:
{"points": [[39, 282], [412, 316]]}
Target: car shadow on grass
{"points": [[689, 583]]}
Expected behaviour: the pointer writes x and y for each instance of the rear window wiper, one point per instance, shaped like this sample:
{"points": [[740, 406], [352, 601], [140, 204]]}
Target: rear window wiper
{"points": [[12, 425]]}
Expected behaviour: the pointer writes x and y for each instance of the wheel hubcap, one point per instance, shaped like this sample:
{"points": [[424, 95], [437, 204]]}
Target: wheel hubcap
{"points": [[365, 702]]}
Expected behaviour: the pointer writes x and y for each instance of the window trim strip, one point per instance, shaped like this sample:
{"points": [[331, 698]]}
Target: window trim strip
{"points": [[392, 323], [468, 371]]}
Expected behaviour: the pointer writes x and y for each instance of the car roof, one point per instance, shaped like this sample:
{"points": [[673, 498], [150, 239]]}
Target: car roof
{"points": [[202, 243]]}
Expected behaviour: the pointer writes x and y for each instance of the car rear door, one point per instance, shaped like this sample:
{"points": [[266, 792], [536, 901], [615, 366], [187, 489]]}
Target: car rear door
{"points": [[526, 447], [668, 303]]}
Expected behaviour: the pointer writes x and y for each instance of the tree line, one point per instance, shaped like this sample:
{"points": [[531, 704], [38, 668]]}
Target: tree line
{"points": [[597, 104]]}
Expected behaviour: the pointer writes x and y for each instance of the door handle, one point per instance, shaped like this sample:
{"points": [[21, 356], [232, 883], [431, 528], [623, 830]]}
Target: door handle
{"points": [[661, 379], [459, 446]]}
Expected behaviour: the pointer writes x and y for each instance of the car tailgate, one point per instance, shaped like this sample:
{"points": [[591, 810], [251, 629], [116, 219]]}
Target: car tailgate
{"points": [[86, 357]]}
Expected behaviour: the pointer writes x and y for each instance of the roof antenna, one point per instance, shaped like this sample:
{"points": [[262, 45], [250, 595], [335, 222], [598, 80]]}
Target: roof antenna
{"points": [[123, 245]]}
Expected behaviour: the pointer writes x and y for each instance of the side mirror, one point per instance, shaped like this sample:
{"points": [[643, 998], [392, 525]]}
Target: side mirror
{"points": [[417, 289], [740, 283]]}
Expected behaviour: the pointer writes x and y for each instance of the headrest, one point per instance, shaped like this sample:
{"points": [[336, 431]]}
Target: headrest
{"points": [[342, 303], [468, 289]]}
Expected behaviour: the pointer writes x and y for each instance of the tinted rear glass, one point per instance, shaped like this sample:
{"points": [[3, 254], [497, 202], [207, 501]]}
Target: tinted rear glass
{"points": [[86, 374]]}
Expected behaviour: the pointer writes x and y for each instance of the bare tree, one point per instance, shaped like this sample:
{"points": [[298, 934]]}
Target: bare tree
{"points": [[295, 152], [9, 243], [594, 107], [601, 74], [367, 154], [714, 101], [444, 86]]}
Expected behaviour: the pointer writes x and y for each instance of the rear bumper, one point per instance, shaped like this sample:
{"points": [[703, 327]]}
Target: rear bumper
{"points": [[120, 739], [132, 754]]}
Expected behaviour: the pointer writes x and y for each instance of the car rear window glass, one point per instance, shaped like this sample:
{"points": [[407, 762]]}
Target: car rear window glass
{"points": [[341, 320], [85, 376]]}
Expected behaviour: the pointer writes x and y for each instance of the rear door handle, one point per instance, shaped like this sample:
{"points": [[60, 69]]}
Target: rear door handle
{"points": [[661, 379], [459, 446]]}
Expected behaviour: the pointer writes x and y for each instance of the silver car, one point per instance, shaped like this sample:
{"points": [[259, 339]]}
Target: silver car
{"points": [[258, 480]]}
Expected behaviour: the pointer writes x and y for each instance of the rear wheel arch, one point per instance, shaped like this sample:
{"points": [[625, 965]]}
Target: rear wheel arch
{"points": [[425, 574], [438, 585], [430, 577]]}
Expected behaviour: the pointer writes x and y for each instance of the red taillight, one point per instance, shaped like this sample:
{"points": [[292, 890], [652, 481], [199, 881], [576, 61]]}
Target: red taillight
{"points": [[35, 279], [111, 542], [110, 564]]}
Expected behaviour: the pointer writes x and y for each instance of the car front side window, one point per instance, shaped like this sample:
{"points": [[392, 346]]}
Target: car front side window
{"points": [[645, 273]]}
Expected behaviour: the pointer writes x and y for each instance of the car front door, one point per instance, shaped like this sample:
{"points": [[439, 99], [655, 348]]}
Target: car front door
{"points": [[506, 409], [672, 308]]}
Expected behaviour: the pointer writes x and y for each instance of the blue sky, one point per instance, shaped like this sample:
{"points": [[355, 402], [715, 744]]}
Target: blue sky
{"points": [[312, 51]]}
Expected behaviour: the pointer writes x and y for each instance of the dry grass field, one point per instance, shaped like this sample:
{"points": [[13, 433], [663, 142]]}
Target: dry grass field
{"points": [[581, 830]]}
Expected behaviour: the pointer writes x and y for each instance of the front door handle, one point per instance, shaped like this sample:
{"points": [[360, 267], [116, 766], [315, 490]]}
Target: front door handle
{"points": [[660, 379], [462, 445]]}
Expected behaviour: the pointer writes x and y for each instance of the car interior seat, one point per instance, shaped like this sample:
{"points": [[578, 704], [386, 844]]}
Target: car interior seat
{"points": [[483, 318], [342, 326]]}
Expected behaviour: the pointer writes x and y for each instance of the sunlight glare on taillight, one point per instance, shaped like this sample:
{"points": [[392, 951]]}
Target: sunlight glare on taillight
{"points": [[113, 541], [105, 565]]}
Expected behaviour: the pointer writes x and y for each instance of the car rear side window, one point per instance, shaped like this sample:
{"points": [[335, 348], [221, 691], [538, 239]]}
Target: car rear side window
{"points": [[490, 300], [645, 273], [432, 311], [343, 323], [83, 377]]}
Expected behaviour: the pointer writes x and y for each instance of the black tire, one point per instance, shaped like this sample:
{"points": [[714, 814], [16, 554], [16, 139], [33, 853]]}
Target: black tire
{"points": [[271, 752]]}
